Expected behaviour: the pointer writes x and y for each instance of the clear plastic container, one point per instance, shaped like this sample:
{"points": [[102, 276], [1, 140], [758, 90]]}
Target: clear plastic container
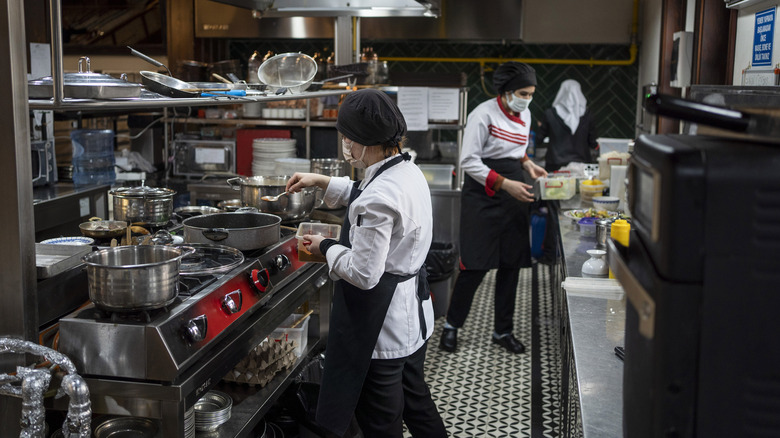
{"points": [[588, 191], [558, 187], [329, 231], [607, 145], [587, 226], [93, 156], [438, 176], [298, 334]]}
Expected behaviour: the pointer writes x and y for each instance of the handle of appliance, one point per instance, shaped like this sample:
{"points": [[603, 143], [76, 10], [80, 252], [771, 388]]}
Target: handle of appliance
{"points": [[42, 167], [195, 330], [637, 295], [152, 61], [261, 278], [320, 282], [216, 234], [720, 117], [229, 304], [236, 180]]}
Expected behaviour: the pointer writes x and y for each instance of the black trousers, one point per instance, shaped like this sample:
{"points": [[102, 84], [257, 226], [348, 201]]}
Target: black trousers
{"points": [[466, 287], [395, 392]]}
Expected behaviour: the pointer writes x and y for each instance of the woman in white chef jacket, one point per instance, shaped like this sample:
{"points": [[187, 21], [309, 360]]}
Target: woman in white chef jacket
{"points": [[382, 315]]}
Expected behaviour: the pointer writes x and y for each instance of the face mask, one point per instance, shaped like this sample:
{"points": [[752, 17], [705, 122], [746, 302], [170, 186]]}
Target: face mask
{"points": [[346, 149], [517, 104]]}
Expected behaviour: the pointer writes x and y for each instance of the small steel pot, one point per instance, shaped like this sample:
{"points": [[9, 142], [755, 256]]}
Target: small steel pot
{"points": [[291, 207], [143, 205], [135, 277], [241, 230]]}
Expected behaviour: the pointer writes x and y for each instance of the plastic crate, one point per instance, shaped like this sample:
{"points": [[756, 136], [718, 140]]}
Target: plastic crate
{"points": [[299, 335], [607, 145]]}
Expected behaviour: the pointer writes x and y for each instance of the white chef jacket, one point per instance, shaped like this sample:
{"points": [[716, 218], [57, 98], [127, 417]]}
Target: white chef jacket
{"points": [[394, 234], [493, 132]]}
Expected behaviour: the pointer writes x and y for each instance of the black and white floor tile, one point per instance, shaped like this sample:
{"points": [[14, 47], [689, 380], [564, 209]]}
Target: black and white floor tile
{"points": [[482, 390]]}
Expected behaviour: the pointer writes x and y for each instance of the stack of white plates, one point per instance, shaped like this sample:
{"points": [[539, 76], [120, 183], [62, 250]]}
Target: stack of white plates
{"points": [[288, 166], [266, 150], [189, 423], [212, 410]]}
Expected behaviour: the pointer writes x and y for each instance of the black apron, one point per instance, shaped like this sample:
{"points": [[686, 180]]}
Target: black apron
{"points": [[494, 231], [356, 320]]}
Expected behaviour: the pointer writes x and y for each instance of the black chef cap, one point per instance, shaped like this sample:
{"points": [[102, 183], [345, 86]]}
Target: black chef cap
{"points": [[512, 75], [370, 117]]}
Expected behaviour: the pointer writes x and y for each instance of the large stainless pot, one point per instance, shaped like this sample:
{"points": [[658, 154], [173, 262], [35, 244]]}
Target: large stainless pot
{"points": [[290, 207], [135, 277], [144, 205], [240, 230], [329, 167]]}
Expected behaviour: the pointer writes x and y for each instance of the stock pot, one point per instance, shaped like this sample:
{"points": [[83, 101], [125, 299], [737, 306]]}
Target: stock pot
{"points": [[290, 207], [134, 277], [143, 205]]}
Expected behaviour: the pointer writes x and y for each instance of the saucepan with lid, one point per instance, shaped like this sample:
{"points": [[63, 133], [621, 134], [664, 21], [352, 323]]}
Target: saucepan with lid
{"points": [[85, 85]]}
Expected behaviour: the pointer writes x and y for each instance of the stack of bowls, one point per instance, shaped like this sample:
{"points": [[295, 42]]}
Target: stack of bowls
{"points": [[288, 166], [266, 150], [189, 422], [212, 410]]}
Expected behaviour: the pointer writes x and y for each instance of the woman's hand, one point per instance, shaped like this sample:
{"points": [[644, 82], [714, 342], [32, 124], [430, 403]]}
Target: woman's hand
{"points": [[312, 243], [299, 181], [518, 190], [534, 169]]}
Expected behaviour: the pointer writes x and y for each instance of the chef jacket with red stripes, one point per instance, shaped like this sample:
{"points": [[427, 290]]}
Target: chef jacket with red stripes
{"points": [[493, 132]]}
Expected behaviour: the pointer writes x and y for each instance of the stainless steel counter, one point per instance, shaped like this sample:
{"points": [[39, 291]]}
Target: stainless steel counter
{"points": [[596, 327]]}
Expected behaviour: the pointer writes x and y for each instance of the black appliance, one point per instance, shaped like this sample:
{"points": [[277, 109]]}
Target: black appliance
{"points": [[44, 163], [701, 275]]}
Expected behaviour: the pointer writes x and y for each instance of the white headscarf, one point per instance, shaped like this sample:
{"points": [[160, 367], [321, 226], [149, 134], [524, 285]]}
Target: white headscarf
{"points": [[570, 103]]}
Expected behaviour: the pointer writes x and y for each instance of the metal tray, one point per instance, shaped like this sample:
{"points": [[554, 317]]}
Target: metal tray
{"points": [[51, 260]]}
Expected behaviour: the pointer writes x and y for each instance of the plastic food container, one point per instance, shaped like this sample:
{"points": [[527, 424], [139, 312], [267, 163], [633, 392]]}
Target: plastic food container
{"points": [[607, 145], [591, 188], [298, 334], [612, 159], [327, 230], [438, 176], [587, 226], [557, 187]]}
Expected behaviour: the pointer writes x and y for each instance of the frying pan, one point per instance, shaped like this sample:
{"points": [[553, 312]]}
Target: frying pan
{"points": [[167, 85], [314, 86], [102, 229]]}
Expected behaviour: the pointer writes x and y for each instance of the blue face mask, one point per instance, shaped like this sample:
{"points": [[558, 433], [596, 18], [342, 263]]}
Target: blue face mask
{"points": [[517, 104]]}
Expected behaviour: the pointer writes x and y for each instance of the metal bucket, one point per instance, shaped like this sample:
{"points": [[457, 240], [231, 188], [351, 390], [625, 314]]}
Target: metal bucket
{"points": [[139, 277]]}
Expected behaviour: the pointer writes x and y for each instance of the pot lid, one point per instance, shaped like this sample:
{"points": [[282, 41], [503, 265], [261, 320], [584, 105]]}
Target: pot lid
{"points": [[85, 78], [143, 192], [209, 259]]}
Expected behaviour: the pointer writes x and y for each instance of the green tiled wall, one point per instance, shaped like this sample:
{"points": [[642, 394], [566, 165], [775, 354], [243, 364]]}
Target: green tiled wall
{"points": [[610, 90]]}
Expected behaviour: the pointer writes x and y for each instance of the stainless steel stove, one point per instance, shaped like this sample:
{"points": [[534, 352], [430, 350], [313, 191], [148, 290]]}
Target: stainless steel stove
{"points": [[157, 364]]}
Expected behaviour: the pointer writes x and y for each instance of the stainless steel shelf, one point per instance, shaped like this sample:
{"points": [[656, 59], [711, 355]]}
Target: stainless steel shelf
{"points": [[153, 100]]}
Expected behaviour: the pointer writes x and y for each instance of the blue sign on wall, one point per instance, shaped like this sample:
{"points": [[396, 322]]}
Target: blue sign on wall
{"points": [[762, 41]]}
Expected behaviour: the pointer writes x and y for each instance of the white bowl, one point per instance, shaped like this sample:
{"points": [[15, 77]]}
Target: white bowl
{"points": [[609, 203]]}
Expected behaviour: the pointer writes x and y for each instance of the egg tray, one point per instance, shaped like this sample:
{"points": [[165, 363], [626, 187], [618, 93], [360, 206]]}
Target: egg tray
{"points": [[263, 363]]}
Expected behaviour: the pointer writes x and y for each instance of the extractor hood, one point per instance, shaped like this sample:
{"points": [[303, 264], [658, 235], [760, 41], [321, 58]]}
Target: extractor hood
{"points": [[334, 8]]}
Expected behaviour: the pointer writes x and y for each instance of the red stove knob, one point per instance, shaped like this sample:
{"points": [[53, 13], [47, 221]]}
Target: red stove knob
{"points": [[261, 278]]}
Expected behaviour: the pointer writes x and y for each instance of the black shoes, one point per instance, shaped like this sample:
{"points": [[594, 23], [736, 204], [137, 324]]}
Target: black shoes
{"points": [[509, 342], [449, 340]]}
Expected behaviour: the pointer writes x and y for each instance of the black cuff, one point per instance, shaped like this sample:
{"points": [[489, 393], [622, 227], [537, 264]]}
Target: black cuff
{"points": [[326, 244]]}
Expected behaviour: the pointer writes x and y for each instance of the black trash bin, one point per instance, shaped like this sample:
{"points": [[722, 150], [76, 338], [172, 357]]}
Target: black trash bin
{"points": [[440, 263]]}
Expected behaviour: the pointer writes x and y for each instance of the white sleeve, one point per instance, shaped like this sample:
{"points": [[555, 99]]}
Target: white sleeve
{"points": [[337, 192], [364, 264], [474, 137]]}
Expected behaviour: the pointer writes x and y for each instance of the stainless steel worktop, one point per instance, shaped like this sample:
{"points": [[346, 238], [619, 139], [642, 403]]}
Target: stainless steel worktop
{"points": [[596, 327]]}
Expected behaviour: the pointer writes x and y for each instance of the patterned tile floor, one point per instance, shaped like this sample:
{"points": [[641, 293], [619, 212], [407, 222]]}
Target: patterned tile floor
{"points": [[483, 391]]}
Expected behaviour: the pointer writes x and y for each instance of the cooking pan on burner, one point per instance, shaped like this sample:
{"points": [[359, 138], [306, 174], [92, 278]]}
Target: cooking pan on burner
{"points": [[101, 229], [241, 230]]}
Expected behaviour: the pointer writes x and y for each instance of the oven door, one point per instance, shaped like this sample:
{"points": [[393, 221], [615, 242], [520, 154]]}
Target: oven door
{"points": [[200, 157]]}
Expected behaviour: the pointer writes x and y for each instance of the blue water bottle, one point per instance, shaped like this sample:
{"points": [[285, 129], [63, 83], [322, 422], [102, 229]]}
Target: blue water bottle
{"points": [[93, 156]]}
